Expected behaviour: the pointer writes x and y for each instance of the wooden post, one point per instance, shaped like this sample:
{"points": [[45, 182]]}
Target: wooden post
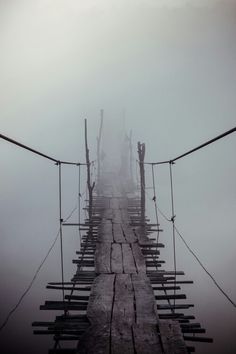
{"points": [[90, 187], [99, 151], [141, 154]]}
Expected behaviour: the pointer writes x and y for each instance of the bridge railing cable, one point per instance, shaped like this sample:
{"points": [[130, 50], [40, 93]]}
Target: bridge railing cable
{"points": [[208, 142], [197, 258], [34, 276], [23, 146]]}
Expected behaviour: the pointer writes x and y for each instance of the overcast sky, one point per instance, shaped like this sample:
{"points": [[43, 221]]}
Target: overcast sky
{"points": [[170, 66]]}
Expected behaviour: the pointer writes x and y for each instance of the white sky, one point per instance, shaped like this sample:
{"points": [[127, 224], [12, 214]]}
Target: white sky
{"points": [[171, 66]]}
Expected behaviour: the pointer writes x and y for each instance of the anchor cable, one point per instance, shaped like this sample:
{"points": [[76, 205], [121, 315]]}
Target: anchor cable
{"points": [[155, 202], [173, 224], [35, 276], [198, 260]]}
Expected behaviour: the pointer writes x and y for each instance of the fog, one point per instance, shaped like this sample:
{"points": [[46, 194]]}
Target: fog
{"points": [[166, 70]]}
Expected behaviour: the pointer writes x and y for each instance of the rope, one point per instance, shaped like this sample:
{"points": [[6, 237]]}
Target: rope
{"points": [[35, 276], [228, 132], [23, 146], [173, 224], [198, 260], [61, 241], [155, 202], [204, 268], [79, 203]]}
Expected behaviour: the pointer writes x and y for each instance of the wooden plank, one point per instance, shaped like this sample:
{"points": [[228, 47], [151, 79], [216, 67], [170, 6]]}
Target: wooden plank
{"points": [[102, 258], [128, 259], [129, 234], [138, 258], [172, 337], [101, 299], [96, 340], [123, 316], [105, 232], [146, 339], [198, 339], [149, 244], [118, 234], [123, 308], [145, 303], [116, 258], [142, 238], [176, 306], [170, 297]]}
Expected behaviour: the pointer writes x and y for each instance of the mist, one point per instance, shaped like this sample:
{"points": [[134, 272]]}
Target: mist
{"points": [[163, 69]]}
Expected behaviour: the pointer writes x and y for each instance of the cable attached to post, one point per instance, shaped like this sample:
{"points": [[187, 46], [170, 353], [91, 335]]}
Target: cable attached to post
{"points": [[173, 224], [61, 235], [79, 204], [155, 202]]}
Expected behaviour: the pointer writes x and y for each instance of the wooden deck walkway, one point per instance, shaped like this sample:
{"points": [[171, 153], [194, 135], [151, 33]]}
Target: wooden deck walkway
{"points": [[120, 300], [122, 306]]}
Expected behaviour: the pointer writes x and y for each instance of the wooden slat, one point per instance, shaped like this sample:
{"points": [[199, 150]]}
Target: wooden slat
{"points": [[149, 244], [116, 258], [128, 259], [145, 303], [171, 337], [138, 258], [96, 340], [170, 297], [101, 299], [176, 306], [102, 258], [123, 316], [105, 233], [118, 233], [146, 339], [198, 339], [129, 234]]}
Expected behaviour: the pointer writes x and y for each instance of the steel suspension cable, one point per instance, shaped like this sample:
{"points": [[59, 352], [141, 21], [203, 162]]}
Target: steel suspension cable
{"points": [[155, 202], [204, 268], [35, 276], [61, 240], [26, 147], [208, 142], [79, 203], [198, 260], [173, 224]]}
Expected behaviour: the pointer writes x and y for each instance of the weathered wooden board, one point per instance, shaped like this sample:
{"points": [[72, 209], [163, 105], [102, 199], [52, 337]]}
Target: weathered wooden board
{"points": [[128, 259], [96, 340], [107, 214], [172, 337], [123, 308], [122, 340], [129, 234], [146, 311], [102, 258], [105, 233], [139, 258], [142, 238], [118, 234], [116, 258], [114, 203], [106, 226], [146, 339], [123, 316], [101, 299]]}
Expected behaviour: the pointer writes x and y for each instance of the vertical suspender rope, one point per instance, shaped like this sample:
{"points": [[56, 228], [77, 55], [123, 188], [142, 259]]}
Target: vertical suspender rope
{"points": [[79, 203], [61, 241], [173, 224], [155, 202]]}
